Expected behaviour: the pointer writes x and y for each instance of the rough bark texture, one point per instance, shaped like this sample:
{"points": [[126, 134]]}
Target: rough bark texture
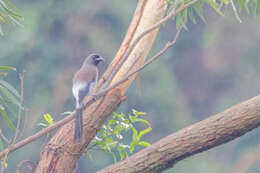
{"points": [[206, 134], [61, 153]]}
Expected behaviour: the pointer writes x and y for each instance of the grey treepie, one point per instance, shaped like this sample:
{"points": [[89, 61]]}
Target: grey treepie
{"points": [[84, 84]]}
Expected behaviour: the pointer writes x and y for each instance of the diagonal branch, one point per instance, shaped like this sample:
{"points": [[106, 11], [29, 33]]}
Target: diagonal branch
{"points": [[204, 135]]}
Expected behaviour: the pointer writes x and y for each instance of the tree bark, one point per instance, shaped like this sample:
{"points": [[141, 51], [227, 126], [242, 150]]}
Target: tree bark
{"points": [[202, 136], [61, 153]]}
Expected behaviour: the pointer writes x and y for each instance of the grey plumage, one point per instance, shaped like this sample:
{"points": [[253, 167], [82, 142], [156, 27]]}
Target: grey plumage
{"points": [[84, 83]]}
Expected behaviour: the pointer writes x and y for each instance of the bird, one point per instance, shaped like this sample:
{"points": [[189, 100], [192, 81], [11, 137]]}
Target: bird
{"points": [[84, 84]]}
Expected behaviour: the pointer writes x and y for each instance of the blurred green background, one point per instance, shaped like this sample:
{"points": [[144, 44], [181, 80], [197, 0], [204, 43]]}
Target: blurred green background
{"points": [[213, 66]]}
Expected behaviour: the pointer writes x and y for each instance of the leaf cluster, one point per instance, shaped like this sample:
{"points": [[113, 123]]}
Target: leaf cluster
{"points": [[198, 9], [9, 104], [111, 138], [48, 120], [9, 98], [8, 14]]}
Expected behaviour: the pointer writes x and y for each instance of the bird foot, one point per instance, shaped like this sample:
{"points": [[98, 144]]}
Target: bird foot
{"points": [[94, 96]]}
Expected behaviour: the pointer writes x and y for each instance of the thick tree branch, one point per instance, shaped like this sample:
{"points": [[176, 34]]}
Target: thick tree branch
{"points": [[204, 135]]}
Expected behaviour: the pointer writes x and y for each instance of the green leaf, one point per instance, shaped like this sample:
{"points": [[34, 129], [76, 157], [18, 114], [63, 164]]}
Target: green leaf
{"points": [[10, 4], [10, 96], [1, 145], [101, 144], [126, 154], [111, 122], [198, 7], [179, 21], [8, 122], [132, 146], [135, 134], [90, 156], [42, 124], [144, 143], [113, 144], [9, 107], [1, 31], [184, 14], [66, 113], [2, 74], [246, 7], [132, 118], [137, 113], [215, 6], [257, 8], [122, 155], [135, 140], [10, 88], [191, 15], [122, 147], [144, 132], [7, 68], [241, 5], [49, 119], [115, 115], [10, 12], [3, 17], [114, 156], [108, 140], [143, 121]]}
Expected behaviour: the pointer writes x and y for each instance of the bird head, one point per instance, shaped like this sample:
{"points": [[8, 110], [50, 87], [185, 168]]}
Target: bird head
{"points": [[93, 59]]}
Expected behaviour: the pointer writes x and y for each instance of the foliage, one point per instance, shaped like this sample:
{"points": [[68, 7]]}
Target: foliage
{"points": [[9, 100], [217, 5], [49, 120], [8, 14], [9, 97], [111, 138]]}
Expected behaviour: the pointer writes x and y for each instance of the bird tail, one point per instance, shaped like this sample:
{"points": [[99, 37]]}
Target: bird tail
{"points": [[78, 124]]}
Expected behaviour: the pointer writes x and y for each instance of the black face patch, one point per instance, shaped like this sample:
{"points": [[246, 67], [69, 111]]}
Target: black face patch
{"points": [[94, 57], [97, 59]]}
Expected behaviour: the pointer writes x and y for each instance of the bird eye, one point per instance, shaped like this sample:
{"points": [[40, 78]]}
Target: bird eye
{"points": [[95, 56]]}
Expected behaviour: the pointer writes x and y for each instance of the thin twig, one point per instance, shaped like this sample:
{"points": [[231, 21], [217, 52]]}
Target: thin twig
{"points": [[4, 138], [24, 124], [37, 135], [169, 44], [21, 76]]}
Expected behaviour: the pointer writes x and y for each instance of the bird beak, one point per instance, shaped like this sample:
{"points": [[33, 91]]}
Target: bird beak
{"points": [[100, 59]]}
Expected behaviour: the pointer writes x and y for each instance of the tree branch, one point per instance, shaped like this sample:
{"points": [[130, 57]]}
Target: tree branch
{"points": [[204, 135]]}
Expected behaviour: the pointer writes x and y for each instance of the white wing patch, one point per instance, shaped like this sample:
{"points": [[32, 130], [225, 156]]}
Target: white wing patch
{"points": [[75, 90]]}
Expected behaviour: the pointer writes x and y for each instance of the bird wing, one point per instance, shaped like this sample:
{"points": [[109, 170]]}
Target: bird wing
{"points": [[84, 83]]}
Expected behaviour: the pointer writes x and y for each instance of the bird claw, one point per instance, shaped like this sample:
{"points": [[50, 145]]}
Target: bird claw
{"points": [[94, 96]]}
